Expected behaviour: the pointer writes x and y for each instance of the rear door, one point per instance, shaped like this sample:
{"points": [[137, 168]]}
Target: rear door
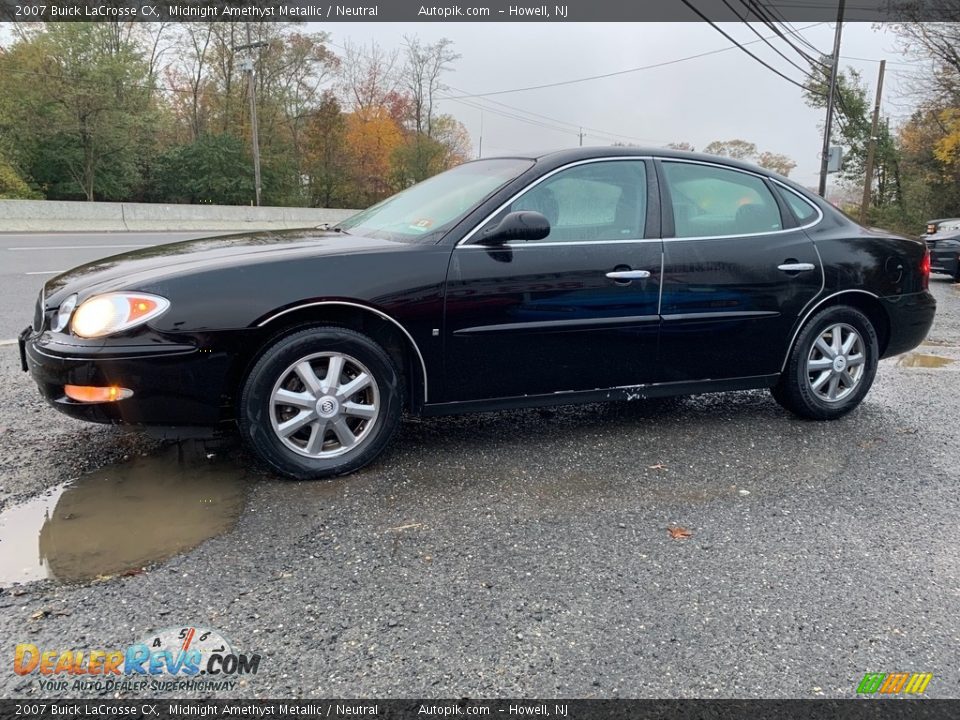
{"points": [[738, 270], [577, 310]]}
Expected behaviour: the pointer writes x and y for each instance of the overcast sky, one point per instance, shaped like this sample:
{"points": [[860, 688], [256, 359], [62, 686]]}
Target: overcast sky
{"points": [[719, 97]]}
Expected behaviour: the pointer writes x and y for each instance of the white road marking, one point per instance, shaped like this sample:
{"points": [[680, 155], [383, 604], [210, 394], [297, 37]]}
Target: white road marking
{"points": [[76, 247], [7, 342], [45, 272]]}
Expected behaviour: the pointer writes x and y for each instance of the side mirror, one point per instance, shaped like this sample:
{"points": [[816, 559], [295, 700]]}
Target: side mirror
{"points": [[520, 225]]}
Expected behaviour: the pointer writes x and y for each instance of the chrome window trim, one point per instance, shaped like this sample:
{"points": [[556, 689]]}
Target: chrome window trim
{"points": [[466, 238], [530, 244], [533, 243], [806, 316], [753, 174], [380, 313]]}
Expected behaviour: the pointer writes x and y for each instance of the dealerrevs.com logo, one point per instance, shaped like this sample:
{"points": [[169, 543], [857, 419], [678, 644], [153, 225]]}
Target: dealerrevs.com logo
{"points": [[894, 683], [188, 658]]}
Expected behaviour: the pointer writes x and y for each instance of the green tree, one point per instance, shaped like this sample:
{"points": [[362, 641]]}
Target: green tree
{"points": [[12, 186], [214, 169], [854, 121], [79, 125]]}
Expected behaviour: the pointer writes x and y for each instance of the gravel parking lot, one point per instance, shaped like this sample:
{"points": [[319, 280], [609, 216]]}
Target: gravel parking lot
{"points": [[527, 553]]}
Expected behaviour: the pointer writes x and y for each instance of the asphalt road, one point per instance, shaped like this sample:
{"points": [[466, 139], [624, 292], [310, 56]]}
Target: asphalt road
{"points": [[526, 553], [27, 260]]}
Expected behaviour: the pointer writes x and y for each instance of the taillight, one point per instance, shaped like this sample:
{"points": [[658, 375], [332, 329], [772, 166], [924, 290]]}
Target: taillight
{"points": [[925, 270]]}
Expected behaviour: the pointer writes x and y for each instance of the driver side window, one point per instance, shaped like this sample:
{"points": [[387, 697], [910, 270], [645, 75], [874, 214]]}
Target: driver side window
{"points": [[594, 201]]}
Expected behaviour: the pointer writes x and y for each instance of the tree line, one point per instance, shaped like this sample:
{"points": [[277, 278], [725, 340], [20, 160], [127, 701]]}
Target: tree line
{"points": [[160, 112]]}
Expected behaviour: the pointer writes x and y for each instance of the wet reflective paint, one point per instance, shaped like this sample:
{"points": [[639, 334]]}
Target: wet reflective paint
{"points": [[122, 517]]}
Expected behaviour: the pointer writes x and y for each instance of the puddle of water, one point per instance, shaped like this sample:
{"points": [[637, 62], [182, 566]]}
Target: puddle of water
{"points": [[121, 517], [923, 361]]}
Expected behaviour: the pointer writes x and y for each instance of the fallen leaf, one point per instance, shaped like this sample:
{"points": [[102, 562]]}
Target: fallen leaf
{"points": [[131, 572], [678, 533], [39, 614]]}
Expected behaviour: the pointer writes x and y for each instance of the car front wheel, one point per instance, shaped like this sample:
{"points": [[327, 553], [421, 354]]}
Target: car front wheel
{"points": [[320, 402], [831, 366]]}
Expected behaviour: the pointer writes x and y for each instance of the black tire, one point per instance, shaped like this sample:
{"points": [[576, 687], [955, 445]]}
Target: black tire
{"points": [[279, 369], [795, 389]]}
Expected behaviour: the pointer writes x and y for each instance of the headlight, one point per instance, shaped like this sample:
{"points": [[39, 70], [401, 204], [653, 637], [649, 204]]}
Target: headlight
{"points": [[111, 313], [64, 313]]}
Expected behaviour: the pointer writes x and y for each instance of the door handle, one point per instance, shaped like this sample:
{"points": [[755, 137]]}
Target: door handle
{"points": [[796, 267], [621, 275]]}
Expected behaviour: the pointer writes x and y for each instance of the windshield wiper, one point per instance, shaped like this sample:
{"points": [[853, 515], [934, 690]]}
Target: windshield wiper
{"points": [[332, 228]]}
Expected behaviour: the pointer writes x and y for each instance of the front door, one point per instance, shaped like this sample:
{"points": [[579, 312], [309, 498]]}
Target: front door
{"points": [[577, 310], [736, 274]]}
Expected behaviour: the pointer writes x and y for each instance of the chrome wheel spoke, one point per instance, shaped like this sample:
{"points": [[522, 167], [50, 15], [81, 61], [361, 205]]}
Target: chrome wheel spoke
{"points": [[818, 383], [849, 343], [854, 360], [821, 364], [351, 388], [847, 379], [836, 337], [825, 349], [834, 385], [308, 377], [343, 432], [317, 431], [304, 400], [361, 411], [334, 370], [288, 428]]}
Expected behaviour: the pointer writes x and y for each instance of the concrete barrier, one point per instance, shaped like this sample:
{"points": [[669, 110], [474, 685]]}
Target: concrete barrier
{"points": [[65, 216]]}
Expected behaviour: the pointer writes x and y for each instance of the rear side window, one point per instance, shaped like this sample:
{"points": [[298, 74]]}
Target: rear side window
{"points": [[711, 201], [801, 209]]}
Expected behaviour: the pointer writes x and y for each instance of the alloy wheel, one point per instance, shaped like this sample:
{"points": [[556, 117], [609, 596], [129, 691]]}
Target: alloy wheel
{"points": [[324, 405], [835, 363]]}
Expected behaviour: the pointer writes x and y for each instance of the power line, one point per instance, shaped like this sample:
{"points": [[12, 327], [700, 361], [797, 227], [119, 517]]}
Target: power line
{"points": [[756, 32], [577, 126], [769, 15], [741, 46], [617, 72]]}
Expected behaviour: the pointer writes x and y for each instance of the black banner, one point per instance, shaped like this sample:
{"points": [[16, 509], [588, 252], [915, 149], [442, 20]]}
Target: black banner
{"points": [[440, 709], [476, 10]]}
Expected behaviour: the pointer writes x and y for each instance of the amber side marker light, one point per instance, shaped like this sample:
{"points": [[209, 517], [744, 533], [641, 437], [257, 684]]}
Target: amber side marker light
{"points": [[93, 394]]}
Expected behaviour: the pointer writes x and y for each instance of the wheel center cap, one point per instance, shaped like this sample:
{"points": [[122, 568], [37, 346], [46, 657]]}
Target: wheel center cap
{"points": [[327, 406], [839, 363]]}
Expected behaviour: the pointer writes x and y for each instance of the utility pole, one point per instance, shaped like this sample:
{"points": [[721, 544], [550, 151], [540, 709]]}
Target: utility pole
{"points": [[872, 148], [581, 137], [831, 99], [480, 146], [247, 66]]}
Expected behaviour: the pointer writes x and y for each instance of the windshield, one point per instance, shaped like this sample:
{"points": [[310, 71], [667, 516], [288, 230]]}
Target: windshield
{"points": [[432, 207]]}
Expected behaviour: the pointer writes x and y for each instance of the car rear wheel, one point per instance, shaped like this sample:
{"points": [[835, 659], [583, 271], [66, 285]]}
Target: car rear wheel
{"points": [[831, 366], [320, 402]]}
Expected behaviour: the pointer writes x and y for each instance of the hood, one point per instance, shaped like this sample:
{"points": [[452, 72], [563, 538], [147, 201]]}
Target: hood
{"points": [[128, 270]]}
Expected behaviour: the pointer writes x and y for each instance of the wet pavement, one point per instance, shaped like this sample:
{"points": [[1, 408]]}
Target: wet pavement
{"points": [[122, 517], [527, 553]]}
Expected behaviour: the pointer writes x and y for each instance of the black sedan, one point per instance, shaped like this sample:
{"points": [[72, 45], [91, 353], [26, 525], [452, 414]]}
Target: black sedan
{"points": [[944, 246], [577, 276]]}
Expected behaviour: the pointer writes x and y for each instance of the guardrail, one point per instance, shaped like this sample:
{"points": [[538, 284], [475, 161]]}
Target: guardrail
{"points": [[67, 216]]}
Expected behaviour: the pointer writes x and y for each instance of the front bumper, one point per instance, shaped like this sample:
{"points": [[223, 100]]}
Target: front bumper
{"points": [[173, 384]]}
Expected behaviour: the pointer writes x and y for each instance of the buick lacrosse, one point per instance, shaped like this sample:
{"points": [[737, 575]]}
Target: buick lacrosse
{"points": [[577, 276]]}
